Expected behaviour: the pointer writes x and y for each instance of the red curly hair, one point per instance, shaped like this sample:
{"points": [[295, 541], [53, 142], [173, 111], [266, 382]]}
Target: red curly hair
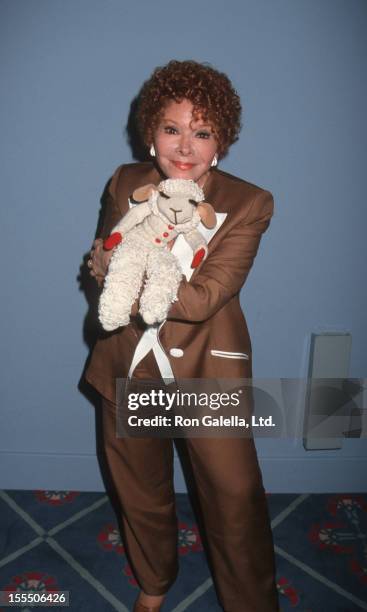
{"points": [[211, 93]]}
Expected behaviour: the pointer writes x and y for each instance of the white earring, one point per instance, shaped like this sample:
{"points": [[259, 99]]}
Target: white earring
{"points": [[152, 151], [214, 161]]}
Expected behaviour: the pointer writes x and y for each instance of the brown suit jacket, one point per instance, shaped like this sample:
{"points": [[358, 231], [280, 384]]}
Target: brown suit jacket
{"points": [[207, 316]]}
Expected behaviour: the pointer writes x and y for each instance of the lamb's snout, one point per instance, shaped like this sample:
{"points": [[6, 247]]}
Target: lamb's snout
{"points": [[175, 211]]}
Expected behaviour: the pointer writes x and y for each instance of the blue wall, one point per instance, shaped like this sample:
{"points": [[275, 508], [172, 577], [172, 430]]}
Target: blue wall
{"points": [[69, 71]]}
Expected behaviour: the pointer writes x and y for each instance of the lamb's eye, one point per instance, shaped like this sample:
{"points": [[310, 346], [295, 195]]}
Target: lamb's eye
{"points": [[164, 195], [193, 202]]}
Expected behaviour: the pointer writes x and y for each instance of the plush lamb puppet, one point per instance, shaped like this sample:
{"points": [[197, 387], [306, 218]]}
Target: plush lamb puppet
{"points": [[176, 206]]}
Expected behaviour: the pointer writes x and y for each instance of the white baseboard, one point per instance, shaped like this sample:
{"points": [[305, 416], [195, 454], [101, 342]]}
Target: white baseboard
{"points": [[73, 472]]}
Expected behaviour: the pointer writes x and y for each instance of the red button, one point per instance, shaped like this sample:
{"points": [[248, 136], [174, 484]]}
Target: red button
{"points": [[158, 240], [165, 234], [170, 227]]}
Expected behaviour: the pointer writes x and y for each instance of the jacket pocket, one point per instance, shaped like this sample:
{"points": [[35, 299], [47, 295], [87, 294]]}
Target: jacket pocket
{"points": [[228, 354]]}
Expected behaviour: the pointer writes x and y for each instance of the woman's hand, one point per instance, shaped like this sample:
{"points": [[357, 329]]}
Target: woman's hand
{"points": [[99, 260]]}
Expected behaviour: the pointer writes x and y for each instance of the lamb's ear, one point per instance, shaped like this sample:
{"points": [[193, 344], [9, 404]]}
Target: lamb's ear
{"points": [[207, 214], [141, 194]]}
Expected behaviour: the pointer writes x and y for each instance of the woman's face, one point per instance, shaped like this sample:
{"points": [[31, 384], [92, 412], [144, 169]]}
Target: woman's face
{"points": [[184, 147]]}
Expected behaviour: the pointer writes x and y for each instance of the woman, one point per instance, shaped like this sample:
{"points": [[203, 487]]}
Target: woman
{"points": [[189, 115]]}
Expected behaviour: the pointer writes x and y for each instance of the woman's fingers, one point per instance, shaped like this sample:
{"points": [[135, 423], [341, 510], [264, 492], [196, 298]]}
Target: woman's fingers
{"points": [[96, 244], [99, 259], [97, 241]]}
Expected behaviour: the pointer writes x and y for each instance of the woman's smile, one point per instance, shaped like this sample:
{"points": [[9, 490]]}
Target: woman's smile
{"points": [[183, 165]]}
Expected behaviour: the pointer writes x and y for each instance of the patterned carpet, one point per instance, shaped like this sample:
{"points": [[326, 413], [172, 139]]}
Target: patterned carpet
{"points": [[66, 540]]}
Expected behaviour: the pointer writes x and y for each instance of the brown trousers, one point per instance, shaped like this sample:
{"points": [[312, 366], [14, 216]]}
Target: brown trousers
{"points": [[232, 499]]}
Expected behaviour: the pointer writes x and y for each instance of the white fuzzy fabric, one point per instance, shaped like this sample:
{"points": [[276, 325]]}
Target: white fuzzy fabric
{"points": [[160, 290], [182, 187], [179, 227], [131, 258], [139, 253]]}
